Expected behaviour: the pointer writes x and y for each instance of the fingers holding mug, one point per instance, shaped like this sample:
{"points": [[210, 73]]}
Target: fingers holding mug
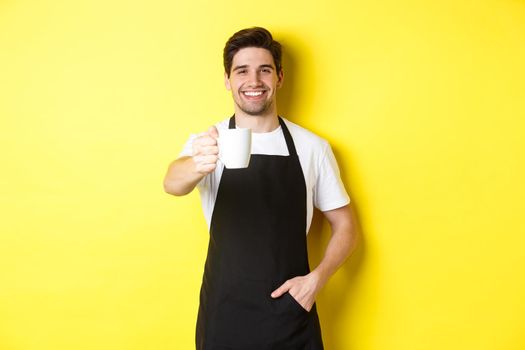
{"points": [[206, 151], [205, 164]]}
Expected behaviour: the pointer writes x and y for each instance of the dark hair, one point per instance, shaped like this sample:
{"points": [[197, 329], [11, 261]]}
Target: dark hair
{"points": [[251, 37]]}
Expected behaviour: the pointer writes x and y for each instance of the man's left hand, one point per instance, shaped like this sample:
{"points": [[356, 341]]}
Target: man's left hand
{"points": [[303, 289]]}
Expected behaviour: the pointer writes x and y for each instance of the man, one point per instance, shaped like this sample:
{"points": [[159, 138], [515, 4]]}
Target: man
{"points": [[257, 290]]}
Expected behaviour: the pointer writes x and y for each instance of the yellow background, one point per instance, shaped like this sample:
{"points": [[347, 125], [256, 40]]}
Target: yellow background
{"points": [[422, 101]]}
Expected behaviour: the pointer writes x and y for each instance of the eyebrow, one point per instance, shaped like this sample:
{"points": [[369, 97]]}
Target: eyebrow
{"points": [[246, 66]]}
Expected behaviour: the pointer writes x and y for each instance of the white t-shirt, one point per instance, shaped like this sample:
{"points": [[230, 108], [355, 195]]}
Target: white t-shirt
{"points": [[324, 187]]}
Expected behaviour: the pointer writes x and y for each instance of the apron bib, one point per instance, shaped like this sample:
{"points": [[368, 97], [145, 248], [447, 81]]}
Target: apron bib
{"points": [[257, 242]]}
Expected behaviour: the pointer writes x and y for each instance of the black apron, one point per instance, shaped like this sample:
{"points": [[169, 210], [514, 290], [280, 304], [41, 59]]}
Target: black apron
{"points": [[257, 242]]}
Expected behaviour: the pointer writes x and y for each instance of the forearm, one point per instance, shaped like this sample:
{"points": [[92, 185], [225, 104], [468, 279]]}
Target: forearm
{"points": [[341, 245], [343, 241], [181, 177]]}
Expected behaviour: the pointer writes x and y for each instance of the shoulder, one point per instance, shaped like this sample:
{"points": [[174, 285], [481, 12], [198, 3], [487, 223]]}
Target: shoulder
{"points": [[306, 139], [223, 124]]}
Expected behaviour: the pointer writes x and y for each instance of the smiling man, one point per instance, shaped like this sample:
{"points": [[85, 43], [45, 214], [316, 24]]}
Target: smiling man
{"points": [[254, 98], [258, 291]]}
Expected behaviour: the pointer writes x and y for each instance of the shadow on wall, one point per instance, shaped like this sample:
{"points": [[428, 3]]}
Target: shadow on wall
{"points": [[334, 300], [289, 94]]}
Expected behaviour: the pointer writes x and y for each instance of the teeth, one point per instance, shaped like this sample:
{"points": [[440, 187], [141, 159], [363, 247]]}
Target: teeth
{"points": [[253, 93]]}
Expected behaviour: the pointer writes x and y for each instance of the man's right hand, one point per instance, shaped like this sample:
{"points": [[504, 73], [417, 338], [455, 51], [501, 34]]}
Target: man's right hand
{"points": [[206, 151], [185, 172]]}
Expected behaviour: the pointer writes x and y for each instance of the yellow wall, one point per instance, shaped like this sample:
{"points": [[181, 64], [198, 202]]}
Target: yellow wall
{"points": [[423, 103]]}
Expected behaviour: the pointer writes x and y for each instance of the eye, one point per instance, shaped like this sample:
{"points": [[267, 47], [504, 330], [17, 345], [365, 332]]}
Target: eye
{"points": [[266, 70], [241, 71]]}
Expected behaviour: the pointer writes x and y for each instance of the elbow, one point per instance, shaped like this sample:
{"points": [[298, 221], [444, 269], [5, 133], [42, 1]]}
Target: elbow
{"points": [[170, 188], [355, 238]]}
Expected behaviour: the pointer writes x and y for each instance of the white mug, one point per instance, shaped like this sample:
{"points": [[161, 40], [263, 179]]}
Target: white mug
{"points": [[235, 147]]}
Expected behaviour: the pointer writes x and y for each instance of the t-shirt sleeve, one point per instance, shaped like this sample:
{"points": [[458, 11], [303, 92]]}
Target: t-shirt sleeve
{"points": [[329, 190], [187, 150]]}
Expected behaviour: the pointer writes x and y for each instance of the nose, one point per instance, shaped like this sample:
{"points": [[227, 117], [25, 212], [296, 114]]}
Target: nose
{"points": [[254, 78]]}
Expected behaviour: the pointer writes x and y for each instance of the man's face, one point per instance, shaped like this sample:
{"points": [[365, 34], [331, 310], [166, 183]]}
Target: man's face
{"points": [[254, 81]]}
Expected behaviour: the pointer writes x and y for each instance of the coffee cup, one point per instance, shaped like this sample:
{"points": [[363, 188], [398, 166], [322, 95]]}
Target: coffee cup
{"points": [[235, 146]]}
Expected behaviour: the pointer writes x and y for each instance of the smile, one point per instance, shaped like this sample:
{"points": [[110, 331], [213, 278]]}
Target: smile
{"points": [[253, 93]]}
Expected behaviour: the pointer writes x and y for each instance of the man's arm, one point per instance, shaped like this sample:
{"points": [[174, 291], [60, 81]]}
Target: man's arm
{"points": [[185, 173], [342, 243]]}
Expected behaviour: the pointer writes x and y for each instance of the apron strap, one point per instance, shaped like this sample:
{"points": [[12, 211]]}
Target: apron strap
{"points": [[288, 138]]}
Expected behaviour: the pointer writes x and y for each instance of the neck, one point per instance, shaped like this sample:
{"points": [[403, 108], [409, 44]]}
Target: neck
{"points": [[258, 123]]}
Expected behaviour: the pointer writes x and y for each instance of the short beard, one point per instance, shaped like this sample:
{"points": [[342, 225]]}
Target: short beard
{"points": [[260, 111]]}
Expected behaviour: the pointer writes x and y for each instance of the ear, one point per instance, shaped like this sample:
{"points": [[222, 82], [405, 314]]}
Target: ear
{"points": [[280, 78], [227, 82]]}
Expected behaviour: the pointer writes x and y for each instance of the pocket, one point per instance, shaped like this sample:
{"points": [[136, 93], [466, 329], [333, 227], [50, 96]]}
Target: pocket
{"points": [[295, 303]]}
